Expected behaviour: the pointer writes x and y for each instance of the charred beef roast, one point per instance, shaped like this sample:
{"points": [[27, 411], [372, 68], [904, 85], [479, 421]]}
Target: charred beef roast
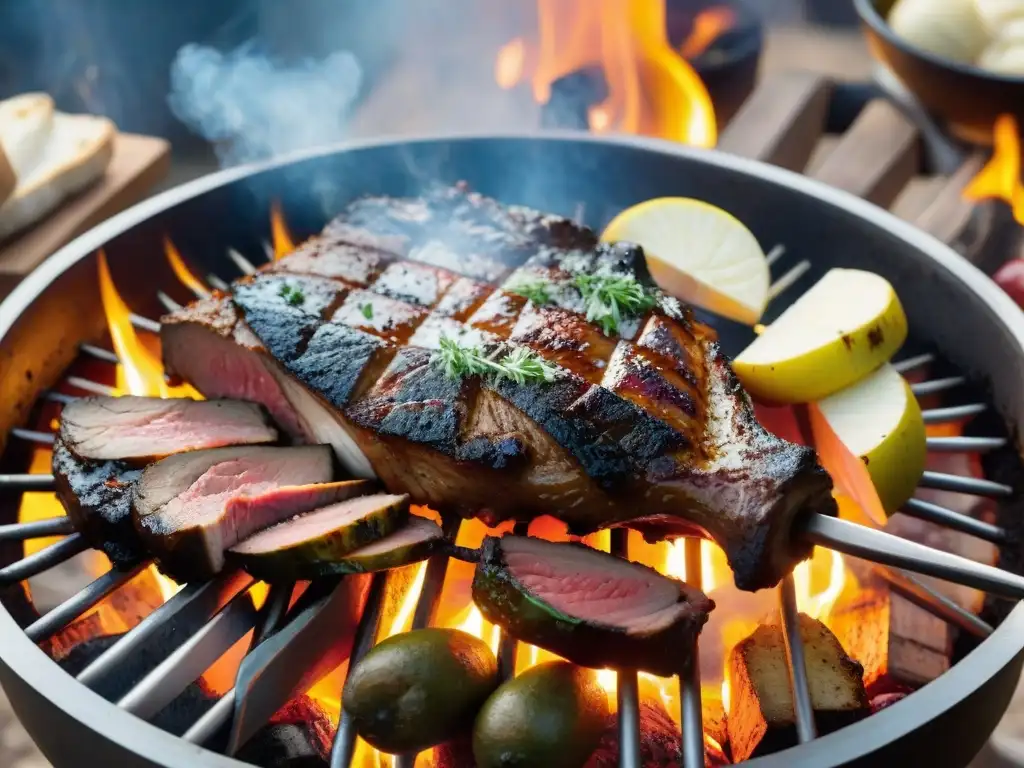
{"points": [[643, 423]]}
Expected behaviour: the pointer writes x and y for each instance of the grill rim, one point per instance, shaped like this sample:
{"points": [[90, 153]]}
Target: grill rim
{"points": [[980, 671]]}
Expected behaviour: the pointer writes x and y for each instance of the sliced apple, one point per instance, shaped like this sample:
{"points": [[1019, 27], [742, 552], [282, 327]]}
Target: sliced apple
{"points": [[878, 422], [837, 333], [699, 254]]}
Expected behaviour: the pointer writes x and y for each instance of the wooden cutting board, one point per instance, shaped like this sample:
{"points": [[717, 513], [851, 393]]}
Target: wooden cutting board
{"points": [[138, 165]]}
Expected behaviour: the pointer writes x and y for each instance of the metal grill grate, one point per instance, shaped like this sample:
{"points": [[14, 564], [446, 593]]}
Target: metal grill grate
{"points": [[215, 615]]}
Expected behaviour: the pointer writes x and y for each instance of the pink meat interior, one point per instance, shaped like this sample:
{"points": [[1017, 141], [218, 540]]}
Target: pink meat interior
{"points": [[417, 530], [594, 586], [135, 427], [315, 524]]}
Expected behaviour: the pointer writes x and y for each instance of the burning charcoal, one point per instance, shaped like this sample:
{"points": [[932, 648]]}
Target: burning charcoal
{"points": [[298, 736], [592, 608], [716, 726], [883, 700], [191, 704], [83, 653], [761, 718], [572, 96]]}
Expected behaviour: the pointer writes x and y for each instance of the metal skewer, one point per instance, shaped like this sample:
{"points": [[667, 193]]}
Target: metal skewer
{"points": [[217, 283], [921, 595], [909, 364], [788, 279], [168, 303], [627, 686], [965, 444], [99, 353], [26, 482], [144, 323], [57, 526], [776, 253], [937, 385], [880, 547], [975, 486], [953, 413], [43, 560], [90, 386], [933, 513], [241, 262], [33, 436], [802, 706], [691, 714]]}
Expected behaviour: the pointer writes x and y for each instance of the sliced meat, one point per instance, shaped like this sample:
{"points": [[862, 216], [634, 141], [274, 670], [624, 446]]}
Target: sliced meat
{"points": [[139, 429], [185, 507], [642, 425], [589, 607], [316, 544], [97, 496]]}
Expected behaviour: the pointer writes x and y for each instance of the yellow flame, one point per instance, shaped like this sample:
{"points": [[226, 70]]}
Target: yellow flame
{"points": [[181, 270], [707, 26], [282, 239], [1001, 176], [651, 88]]}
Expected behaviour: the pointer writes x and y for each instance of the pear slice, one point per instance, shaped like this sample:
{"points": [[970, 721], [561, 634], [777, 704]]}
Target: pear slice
{"points": [[837, 333], [878, 421], [699, 254]]}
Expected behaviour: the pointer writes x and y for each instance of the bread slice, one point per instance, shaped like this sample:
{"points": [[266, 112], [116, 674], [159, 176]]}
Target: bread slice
{"points": [[76, 153], [26, 122]]}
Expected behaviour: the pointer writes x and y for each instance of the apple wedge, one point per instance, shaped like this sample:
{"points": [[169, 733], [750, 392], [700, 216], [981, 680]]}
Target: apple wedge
{"points": [[878, 422], [699, 254], [837, 333]]}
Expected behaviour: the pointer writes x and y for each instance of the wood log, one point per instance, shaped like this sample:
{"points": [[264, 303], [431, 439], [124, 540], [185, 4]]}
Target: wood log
{"points": [[781, 122], [899, 645], [877, 157], [761, 717]]}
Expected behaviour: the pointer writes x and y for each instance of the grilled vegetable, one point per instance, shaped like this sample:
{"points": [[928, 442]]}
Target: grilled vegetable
{"points": [[592, 608], [419, 689], [761, 718], [551, 715], [318, 543], [598, 390]]}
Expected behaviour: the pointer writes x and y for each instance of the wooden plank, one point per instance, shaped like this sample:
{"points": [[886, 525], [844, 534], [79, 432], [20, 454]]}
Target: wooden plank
{"points": [[917, 196], [138, 164], [781, 122], [897, 643], [876, 157], [826, 146]]}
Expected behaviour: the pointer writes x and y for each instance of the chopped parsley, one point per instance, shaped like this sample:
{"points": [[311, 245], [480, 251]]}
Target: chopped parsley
{"points": [[534, 290], [292, 294], [367, 310]]}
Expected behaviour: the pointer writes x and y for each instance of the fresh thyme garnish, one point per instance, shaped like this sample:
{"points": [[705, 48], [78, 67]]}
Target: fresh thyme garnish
{"points": [[609, 298], [520, 365], [534, 290], [367, 310], [292, 294]]}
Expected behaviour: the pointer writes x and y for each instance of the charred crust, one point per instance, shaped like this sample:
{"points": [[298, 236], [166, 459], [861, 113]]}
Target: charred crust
{"points": [[338, 360]]}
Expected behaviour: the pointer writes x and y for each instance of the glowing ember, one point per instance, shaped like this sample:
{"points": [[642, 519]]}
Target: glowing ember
{"points": [[707, 26], [652, 90], [1001, 176], [283, 243]]}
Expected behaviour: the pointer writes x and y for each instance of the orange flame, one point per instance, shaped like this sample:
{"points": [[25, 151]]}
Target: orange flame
{"points": [[182, 272], [707, 26], [283, 243], [652, 89], [1001, 176]]}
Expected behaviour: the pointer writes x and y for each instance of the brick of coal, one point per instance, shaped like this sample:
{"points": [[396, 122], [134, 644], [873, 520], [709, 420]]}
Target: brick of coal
{"points": [[761, 717], [900, 645], [297, 736]]}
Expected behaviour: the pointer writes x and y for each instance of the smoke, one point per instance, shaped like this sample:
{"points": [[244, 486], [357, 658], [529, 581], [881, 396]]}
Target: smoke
{"points": [[252, 108]]}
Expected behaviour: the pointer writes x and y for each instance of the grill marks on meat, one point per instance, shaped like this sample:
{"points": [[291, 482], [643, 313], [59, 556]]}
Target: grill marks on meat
{"points": [[647, 428], [189, 508], [138, 429]]}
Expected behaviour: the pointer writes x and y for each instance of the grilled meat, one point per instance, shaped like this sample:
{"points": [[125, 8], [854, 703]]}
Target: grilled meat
{"points": [[189, 508], [589, 607], [645, 426], [138, 429], [97, 496]]}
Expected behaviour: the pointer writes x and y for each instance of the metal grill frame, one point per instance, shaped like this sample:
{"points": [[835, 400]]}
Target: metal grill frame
{"points": [[976, 675]]}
